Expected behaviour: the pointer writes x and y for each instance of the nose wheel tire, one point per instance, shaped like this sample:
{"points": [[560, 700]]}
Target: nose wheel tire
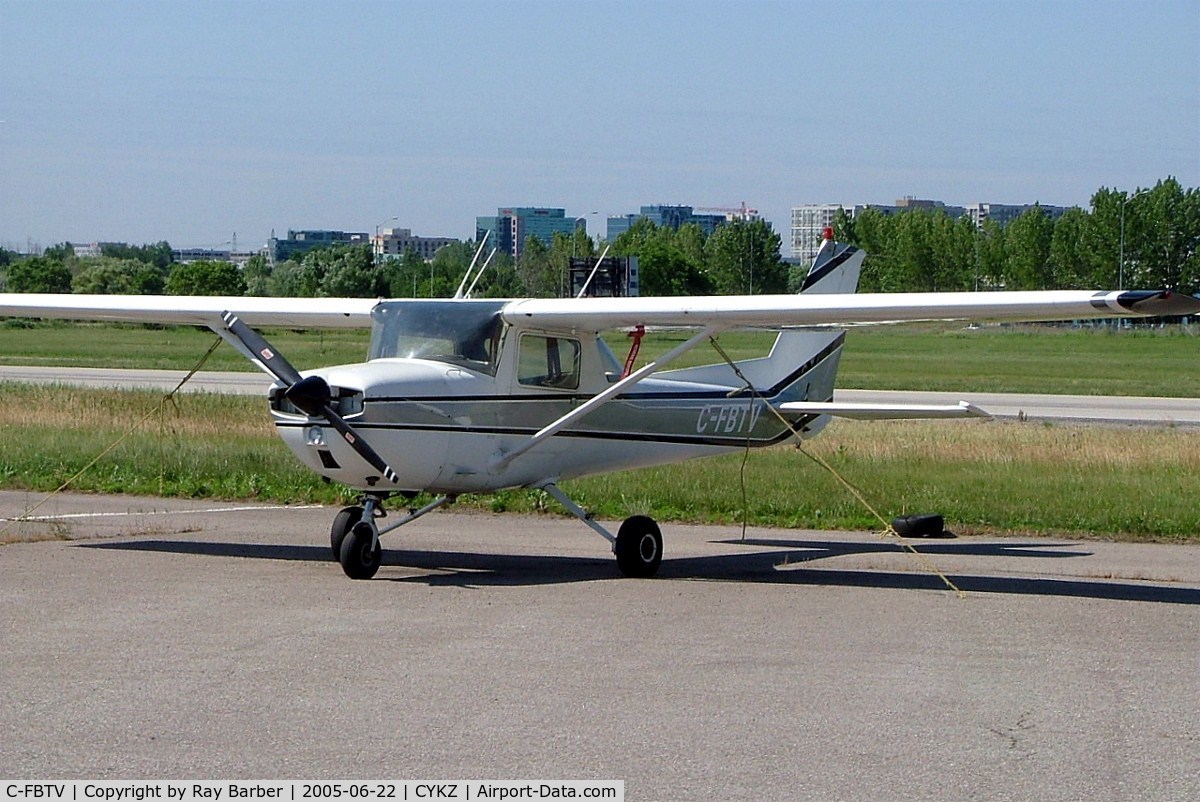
{"points": [[639, 546], [360, 554], [343, 522]]}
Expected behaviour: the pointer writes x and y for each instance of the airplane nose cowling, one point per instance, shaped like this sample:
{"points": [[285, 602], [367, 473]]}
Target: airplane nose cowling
{"points": [[310, 395]]}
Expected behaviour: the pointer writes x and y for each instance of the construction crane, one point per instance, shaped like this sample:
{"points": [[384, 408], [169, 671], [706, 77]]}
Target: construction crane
{"points": [[739, 212]]}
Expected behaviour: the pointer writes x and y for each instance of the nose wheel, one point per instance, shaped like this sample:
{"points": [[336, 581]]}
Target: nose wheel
{"points": [[360, 554], [354, 536]]}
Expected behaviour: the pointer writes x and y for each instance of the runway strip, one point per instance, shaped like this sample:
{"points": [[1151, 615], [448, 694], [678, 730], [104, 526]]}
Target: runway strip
{"points": [[1122, 409]]}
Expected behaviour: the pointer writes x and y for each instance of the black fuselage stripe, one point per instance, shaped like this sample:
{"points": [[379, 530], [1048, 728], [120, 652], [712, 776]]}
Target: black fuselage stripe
{"points": [[640, 437]]}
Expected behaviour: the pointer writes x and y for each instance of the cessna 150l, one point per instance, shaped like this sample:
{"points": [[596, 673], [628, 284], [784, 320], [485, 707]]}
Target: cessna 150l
{"points": [[473, 396]]}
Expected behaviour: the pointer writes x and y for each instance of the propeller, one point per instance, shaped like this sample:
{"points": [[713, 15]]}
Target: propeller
{"points": [[311, 394]]}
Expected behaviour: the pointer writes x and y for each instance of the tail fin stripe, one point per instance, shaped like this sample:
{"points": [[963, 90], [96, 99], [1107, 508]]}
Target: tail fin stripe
{"points": [[816, 275], [799, 372]]}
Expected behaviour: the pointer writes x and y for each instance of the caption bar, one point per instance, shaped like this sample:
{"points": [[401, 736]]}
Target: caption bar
{"points": [[300, 791]]}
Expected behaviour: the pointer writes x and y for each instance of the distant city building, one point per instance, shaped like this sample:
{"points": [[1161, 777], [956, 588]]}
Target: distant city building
{"points": [[393, 243], [510, 228], [808, 225], [810, 220], [187, 255], [673, 217], [89, 250], [299, 243], [1003, 214]]}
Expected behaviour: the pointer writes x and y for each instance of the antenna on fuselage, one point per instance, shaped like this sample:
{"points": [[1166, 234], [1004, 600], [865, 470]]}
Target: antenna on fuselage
{"points": [[459, 292], [486, 262], [592, 275]]}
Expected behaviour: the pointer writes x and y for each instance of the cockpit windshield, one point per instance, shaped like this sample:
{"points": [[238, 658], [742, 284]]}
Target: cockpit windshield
{"points": [[464, 333]]}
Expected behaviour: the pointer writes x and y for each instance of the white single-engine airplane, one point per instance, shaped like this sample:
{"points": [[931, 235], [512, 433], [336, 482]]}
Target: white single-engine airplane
{"points": [[473, 396]]}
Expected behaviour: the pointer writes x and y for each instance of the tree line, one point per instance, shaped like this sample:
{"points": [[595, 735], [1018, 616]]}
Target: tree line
{"points": [[1149, 238]]}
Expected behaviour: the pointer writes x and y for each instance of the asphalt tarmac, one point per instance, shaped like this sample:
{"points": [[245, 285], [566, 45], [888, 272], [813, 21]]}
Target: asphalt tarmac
{"points": [[147, 638]]}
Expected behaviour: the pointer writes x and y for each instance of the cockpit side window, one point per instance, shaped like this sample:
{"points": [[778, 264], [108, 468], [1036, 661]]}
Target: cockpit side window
{"points": [[546, 361]]}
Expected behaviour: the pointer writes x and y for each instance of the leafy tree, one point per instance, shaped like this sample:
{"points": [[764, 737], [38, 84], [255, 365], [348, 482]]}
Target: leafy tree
{"points": [[1068, 256], [1029, 238], [119, 277], [350, 273], [664, 269], [284, 281], [63, 252], [536, 270], [1167, 225], [991, 245], [872, 231], [500, 280], [1102, 238], [743, 258], [407, 276], [346, 271], [257, 273], [631, 241], [206, 278], [158, 254], [39, 274]]}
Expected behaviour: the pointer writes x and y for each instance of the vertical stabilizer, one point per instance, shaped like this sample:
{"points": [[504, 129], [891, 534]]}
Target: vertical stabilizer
{"points": [[803, 363], [815, 354]]}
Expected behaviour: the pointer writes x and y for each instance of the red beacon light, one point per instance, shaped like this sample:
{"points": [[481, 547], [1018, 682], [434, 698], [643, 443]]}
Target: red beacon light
{"points": [[827, 234]]}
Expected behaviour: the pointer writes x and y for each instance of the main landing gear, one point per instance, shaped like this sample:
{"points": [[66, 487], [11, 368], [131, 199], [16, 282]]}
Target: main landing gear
{"points": [[354, 536], [638, 544]]}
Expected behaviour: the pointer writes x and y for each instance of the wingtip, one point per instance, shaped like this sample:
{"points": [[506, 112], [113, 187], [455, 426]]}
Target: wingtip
{"points": [[1159, 303]]}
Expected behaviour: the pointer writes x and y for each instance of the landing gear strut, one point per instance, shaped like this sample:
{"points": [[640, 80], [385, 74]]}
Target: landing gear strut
{"points": [[638, 544], [354, 535]]}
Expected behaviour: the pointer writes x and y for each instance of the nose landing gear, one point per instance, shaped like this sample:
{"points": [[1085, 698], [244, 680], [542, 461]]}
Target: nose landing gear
{"points": [[354, 536]]}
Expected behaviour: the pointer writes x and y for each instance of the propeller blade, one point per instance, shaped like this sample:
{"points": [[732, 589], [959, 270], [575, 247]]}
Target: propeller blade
{"points": [[258, 345], [358, 444], [311, 394]]}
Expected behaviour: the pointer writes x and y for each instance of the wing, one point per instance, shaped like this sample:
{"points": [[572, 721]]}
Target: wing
{"points": [[193, 310], [600, 314], [781, 311]]}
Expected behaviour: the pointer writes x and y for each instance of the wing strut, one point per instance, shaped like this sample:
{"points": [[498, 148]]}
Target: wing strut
{"points": [[502, 461]]}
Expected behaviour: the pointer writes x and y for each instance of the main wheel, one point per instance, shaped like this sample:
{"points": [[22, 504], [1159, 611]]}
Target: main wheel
{"points": [[639, 546], [343, 522], [360, 554]]}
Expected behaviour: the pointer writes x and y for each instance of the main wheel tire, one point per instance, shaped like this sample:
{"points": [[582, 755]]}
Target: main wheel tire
{"points": [[360, 555], [343, 522], [639, 546]]}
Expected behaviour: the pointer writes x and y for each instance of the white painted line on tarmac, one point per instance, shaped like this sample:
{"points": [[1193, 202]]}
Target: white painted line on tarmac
{"points": [[210, 511]]}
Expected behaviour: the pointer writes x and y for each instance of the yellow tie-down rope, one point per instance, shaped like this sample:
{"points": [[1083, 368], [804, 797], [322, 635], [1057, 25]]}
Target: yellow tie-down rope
{"points": [[168, 398], [888, 529]]}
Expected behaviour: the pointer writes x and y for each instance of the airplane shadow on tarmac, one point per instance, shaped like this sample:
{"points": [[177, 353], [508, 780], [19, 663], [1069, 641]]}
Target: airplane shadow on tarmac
{"points": [[778, 566]]}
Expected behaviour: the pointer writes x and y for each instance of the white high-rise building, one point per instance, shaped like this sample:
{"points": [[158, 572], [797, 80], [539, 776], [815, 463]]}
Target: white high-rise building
{"points": [[808, 227]]}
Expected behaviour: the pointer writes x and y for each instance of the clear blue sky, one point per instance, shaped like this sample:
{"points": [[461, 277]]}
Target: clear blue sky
{"points": [[189, 121]]}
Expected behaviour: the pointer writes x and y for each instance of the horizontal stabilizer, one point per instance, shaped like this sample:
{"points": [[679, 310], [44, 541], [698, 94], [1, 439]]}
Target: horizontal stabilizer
{"points": [[962, 409]]}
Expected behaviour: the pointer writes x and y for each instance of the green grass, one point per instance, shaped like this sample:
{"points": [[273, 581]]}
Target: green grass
{"points": [[948, 357], [1123, 482], [106, 345]]}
